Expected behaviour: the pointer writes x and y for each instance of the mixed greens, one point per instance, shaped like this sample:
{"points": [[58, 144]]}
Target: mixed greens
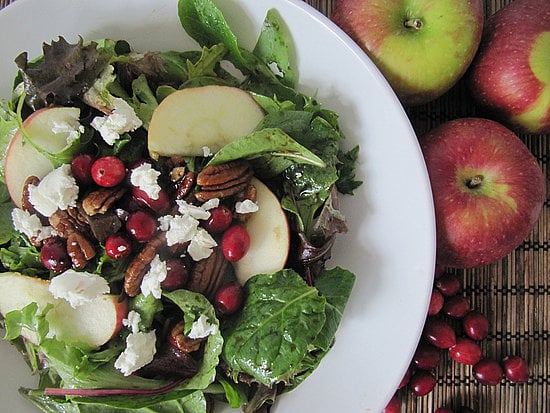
{"points": [[289, 318]]}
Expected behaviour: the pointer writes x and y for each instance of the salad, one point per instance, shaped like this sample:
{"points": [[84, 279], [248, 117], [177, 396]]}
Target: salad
{"points": [[168, 217]]}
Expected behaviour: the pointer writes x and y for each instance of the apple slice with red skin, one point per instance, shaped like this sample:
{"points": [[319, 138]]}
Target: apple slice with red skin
{"points": [[269, 236], [23, 159], [89, 325], [510, 75], [488, 190], [190, 120]]}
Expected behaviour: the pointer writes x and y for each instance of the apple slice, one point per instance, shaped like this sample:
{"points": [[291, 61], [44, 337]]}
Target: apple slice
{"points": [[190, 120], [22, 158], [90, 325], [269, 237]]}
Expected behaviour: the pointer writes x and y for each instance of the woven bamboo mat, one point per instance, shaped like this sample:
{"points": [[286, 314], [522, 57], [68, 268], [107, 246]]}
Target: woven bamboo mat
{"points": [[514, 293]]}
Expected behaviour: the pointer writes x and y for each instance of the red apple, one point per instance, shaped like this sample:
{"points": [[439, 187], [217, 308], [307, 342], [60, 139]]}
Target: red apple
{"points": [[510, 75], [422, 47], [488, 190]]}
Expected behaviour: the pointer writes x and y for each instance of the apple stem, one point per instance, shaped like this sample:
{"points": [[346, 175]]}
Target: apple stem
{"points": [[474, 182], [413, 23]]}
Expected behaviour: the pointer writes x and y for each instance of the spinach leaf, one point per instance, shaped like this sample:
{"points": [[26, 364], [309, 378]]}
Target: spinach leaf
{"points": [[281, 317]]}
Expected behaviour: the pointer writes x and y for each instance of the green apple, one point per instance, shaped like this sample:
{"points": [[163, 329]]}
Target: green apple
{"points": [[89, 325], [49, 129], [269, 236], [422, 47], [190, 121], [511, 72]]}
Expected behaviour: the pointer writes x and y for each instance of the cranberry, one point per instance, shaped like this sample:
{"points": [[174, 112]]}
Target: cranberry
{"points": [[488, 371], [220, 219], [456, 306], [141, 225], [448, 284], [465, 351], [118, 246], [235, 243], [394, 405], [426, 356], [476, 325], [81, 166], [436, 302], [443, 410], [160, 205], [176, 276], [439, 333], [515, 369], [229, 298], [422, 382], [54, 256], [108, 171]]}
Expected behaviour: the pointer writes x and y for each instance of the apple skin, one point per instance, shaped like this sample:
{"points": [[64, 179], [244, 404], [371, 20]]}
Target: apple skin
{"points": [[422, 47], [478, 225], [510, 75]]}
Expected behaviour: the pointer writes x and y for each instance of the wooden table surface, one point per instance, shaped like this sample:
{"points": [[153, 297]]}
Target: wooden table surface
{"points": [[514, 292]]}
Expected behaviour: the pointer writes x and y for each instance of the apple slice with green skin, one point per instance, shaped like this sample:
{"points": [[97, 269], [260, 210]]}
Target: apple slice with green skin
{"points": [[269, 236], [89, 325], [510, 75], [422, 47], [190, 120], [23, 159]]}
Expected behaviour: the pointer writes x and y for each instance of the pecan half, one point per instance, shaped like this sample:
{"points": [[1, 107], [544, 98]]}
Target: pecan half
{"points": [[207, 275], [250, 193], [140, 264], [224, 180], [101, 200], [25, 198], [66, 222], [181, 341], [80, 249], [185, 185]]}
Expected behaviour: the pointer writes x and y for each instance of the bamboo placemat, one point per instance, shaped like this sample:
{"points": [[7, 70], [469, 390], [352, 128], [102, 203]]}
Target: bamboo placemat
{"points": [[514, 292]]}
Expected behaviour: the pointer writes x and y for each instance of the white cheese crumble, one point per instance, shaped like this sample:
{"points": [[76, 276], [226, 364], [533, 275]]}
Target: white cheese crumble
{"points": [[78, 287], [122, 119], [145, 177], [30, 225], [246, 206], [184, 228], [71, 129], [140, 350], [132, 321], [197, 212], [202, 328], [211, 204], [57, 190], [150, 285], [206, 152], [201, 245]]}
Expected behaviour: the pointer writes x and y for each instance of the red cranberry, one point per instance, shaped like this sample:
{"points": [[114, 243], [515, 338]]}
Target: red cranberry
{"points": [[516, 369], [54, 256], [394, 405], [488, 371], [141, 225], [443, 410], [476, 325], [422, 382], [456, 306], [161, 205], [439, 333], [235, 243], [81, 167], [176, 276], [108, 171], [118, 246], [220, 219], [426, 356], [436, 302], [449, 284], [229, 298], [465, 351]]}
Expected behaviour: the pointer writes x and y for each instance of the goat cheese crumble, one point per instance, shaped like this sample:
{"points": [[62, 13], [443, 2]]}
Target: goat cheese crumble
{"points": [[140, 350], [78, 287], [57, 190], [122, 119], [145, 177], [30, 225], [246, 206], [202, 328], [150, 285]]}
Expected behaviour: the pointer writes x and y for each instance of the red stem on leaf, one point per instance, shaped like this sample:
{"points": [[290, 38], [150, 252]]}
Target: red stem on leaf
{"points": [[54, 391]]}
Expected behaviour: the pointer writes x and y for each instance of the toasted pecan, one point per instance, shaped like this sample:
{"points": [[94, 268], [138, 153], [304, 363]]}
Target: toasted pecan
{"points": [[140, 264], [101, 200]]}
